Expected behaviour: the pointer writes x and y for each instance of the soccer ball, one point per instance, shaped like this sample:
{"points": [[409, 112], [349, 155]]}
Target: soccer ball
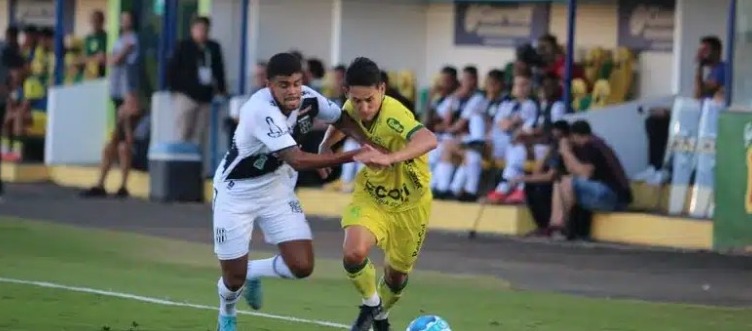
{"points": [[428, 323]]}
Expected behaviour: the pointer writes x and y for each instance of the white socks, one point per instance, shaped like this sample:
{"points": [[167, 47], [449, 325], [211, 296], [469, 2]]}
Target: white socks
{"points": [[458, 180], [372, 301], [473, 170], [272, 267], [443, 173], [227, 299], [516, 156]]}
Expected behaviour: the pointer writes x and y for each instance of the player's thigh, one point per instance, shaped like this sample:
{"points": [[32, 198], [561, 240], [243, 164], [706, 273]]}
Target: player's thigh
{"points": [[407, 232], [281, 219], [365, 215], [232, 225]]}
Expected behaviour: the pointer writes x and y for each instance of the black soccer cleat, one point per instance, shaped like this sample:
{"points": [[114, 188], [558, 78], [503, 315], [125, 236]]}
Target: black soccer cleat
{"points": [[366, 318], [381, 325]]}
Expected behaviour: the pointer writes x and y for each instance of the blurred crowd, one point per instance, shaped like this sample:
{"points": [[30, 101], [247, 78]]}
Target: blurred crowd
{"points": [[503, 134]]}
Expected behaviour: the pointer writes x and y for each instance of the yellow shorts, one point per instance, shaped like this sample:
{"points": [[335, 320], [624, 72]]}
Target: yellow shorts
{"points": [[399, 233]]}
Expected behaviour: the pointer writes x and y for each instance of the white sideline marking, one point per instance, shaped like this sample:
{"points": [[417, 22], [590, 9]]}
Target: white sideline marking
{"points": [[168, 302]]}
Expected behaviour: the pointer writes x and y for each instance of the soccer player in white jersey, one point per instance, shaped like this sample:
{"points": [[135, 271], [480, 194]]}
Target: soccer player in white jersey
{"points": [[255, 183]]}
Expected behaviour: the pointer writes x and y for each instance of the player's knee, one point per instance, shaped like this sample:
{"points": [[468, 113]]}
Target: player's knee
{"points": [[301, 268], [395, 280], [354, 256]]}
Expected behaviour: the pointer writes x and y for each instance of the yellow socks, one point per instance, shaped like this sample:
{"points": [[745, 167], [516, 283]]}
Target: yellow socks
{"points": [[364, 279], [389, 294]]}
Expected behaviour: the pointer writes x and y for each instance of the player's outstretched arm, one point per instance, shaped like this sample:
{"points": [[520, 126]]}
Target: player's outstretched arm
{"points": [[421, 142], [331, 137], [300, 160]]}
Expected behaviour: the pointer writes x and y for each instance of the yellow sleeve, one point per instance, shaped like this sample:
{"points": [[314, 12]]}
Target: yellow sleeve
{"points": [[402, 121], [348, 108], [33, 89]]}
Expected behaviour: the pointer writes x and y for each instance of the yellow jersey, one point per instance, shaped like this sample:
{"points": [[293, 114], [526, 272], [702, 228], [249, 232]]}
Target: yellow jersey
{"points": [[402, 185]]}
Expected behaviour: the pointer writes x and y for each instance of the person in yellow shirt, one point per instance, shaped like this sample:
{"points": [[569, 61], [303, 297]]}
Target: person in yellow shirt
{"points": [[26, 97], [391, 201]]}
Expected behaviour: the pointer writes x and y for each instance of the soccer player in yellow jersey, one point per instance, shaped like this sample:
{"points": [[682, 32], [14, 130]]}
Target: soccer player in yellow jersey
{"points": [[391, 202]]}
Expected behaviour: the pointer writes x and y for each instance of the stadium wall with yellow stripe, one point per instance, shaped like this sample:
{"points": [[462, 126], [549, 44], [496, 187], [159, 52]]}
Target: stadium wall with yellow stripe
{"points": [[627, 228]]}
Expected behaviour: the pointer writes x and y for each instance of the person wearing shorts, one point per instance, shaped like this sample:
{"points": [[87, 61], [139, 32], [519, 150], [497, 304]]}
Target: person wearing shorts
{"points": [[255, 183], [391, 201], [124, 91]]}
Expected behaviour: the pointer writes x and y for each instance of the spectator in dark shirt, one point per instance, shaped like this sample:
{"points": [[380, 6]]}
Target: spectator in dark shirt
{"points": [[539, 184], [31, 38], [196, 73], [596, 180], [710, 76], [10, 57]]}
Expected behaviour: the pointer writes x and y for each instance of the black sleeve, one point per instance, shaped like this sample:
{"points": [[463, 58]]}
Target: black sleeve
{"points": [[173, 66], [219, 68], [586, 154]]}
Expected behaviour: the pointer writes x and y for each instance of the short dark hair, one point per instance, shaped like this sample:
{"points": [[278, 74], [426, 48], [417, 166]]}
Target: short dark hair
{"points": [[47, 32], [201, 20], [712, 41], [385, 77], [526, 72], [581, 127], [363, 72], [550, 77], [449, 70], [562, 126], [297, 54], [316, 67], [30, 29], [11, 31], [496, 75], [472, 70], [549, 38], [283, 64], [340, 68]]}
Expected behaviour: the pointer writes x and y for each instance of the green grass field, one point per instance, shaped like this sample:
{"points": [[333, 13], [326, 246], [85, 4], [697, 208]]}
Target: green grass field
{"points": [[187, 272]]}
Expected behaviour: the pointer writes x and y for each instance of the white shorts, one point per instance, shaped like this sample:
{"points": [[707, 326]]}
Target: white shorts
{"points": [[274, 206]]}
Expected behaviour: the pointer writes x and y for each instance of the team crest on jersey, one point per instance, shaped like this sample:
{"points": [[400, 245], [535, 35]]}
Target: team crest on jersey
{"points": [[309, 109], [395, 125], [274, 130], [304, 123]]}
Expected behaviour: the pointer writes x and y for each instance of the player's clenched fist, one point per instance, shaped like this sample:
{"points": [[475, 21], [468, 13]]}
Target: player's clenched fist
{"points": [[324, 172]]}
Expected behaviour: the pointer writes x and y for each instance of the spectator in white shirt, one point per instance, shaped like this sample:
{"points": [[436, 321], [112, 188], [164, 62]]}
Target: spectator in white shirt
{"points": [[466, 181], [514, 116], [456, 112]]}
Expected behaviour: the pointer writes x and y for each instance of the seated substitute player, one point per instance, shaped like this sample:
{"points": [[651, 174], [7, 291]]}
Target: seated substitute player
{"points": [[391, 199], [255, 183]]}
